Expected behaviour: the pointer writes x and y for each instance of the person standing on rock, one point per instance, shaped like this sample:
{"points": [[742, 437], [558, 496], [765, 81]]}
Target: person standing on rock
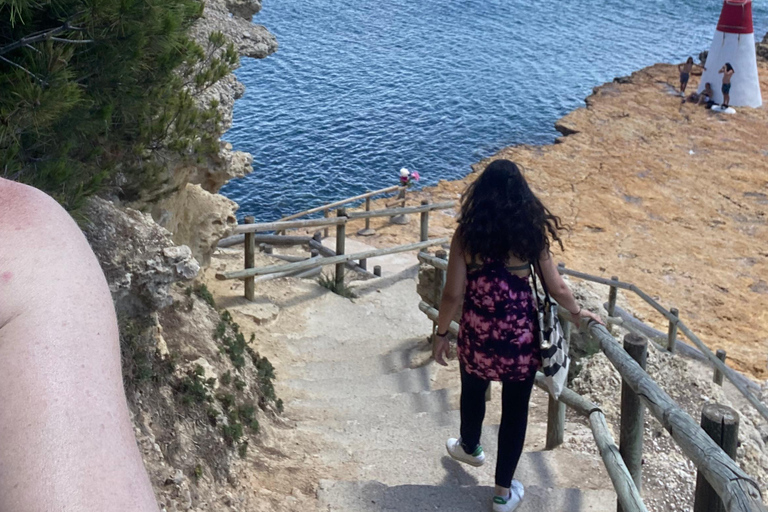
{"points": [[685, 73], [504, 230], [727, 72]]}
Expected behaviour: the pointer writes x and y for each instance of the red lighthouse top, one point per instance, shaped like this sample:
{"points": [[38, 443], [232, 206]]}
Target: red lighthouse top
{"points": [[736, 17]]}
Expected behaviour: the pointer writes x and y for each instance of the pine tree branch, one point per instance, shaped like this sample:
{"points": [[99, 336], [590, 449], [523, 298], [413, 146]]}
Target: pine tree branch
{"points": [[23, 69], [72, 41], [45, 35]]}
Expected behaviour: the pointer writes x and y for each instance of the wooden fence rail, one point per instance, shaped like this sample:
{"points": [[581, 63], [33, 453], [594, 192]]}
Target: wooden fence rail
{"points": [[673, 319], [330, 206], [401, 211], [626, 490], [293, 224], [305, 265], [739, 492]]}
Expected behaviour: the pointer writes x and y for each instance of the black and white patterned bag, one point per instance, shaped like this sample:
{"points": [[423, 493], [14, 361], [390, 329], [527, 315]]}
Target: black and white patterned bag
{"points": [[554, 345]]}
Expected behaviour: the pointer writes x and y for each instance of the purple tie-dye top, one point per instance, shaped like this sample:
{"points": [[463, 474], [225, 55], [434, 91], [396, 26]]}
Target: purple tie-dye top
{"points": [[498, 337]]}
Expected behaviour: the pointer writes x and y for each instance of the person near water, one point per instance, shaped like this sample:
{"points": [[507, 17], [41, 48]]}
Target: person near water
{"points": [[727, 72], [685, 73], [705, 98], [504, 229]]}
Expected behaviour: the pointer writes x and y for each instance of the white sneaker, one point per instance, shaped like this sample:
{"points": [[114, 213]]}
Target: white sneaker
{"points": [[456, 451], [509, 504]]}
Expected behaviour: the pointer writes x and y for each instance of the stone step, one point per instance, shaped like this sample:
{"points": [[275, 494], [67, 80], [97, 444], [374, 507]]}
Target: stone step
{"points": [[369, 409], [343, 387], [414, 356], [344, 349], [373, 496]]}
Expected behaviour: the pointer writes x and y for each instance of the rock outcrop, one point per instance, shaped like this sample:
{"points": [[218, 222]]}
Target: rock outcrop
{"points": [[186, 201], [138, 257]]}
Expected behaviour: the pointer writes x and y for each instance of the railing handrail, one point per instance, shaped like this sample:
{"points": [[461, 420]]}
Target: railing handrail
{"points": [[283, 225], [391, 212], [717, 363], [342, 202], [320, 262]]}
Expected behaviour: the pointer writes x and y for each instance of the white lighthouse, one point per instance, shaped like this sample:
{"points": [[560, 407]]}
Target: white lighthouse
{"points": [[734, 43]]}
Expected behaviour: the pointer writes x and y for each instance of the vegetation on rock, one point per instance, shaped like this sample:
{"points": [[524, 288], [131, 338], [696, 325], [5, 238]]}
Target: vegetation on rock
{"points": [[92, 94]]}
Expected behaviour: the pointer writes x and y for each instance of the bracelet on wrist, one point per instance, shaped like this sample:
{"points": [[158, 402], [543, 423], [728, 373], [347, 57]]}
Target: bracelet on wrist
{"points": [[442, 334]]}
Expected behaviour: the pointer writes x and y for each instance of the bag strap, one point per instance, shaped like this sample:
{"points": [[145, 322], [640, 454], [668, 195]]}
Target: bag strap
{"points": [[547, 300]]}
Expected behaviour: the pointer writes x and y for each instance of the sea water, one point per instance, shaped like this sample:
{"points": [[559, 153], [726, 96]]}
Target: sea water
{"points": [[359, 88]]}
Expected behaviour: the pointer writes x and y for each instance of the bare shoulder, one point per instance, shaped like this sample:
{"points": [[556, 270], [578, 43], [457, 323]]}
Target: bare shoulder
{"points": [[42, 250]]}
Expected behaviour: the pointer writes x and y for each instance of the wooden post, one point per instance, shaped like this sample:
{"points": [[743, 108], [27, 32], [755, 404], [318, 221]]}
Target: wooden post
{"points": [[612, 298], [632, 414], [721, 423], [364, 263], [672, 333], [555, 423], [717, 378], [440, 276], [367, 230], [250, 250], [400, 219], [377, 270], [424, 222], [556, 411], [326, 214], [268, 249], [341, 235], [314, 253]]}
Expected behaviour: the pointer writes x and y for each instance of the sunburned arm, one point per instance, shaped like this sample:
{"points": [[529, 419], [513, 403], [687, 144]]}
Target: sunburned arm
{"points": [[558, 289], [66, 440]]}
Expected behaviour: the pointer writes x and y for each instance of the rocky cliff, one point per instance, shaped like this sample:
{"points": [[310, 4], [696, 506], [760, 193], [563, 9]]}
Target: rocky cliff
{"points": [[201, 399], [186, 202]]}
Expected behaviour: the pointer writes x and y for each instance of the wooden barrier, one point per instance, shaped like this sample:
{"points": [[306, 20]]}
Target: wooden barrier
{"points": [[632, 414], [721, 423], [424, 225], [282, 226], [329, 206], [712, 358], [737, 490], [401, 211], [318, 246], [250, 249], [367, 230], [341, 230], [717, 377], [303, 265], [672, 332]]}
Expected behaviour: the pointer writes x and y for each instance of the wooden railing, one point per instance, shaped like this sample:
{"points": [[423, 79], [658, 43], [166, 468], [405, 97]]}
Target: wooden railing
{"points": [[721, 483], [322, 256], [675, 325]]}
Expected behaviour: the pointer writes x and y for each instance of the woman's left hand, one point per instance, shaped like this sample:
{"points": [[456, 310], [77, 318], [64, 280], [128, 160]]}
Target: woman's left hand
{"points": [[440, 350], [585, 313]]}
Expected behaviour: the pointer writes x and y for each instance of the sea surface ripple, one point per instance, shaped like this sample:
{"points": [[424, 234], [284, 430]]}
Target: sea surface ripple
{"points": [[359, 88]]}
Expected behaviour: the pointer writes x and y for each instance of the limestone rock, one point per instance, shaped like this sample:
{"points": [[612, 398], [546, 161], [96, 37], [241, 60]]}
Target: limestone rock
{"points": [[138, 257], [197, 219], [244, 8]]}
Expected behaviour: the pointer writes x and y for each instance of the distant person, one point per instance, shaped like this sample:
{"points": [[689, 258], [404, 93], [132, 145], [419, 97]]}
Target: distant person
{"points": [[504, 229], [67, 440], [727, 72], [705, 98], [685, 73]]}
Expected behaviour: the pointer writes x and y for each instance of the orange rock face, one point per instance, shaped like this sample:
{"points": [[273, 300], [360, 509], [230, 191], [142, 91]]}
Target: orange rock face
{"points": [[669, 196]]}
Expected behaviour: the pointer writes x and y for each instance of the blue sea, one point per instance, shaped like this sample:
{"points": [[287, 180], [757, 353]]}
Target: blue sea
{"points": [[361, 88]]}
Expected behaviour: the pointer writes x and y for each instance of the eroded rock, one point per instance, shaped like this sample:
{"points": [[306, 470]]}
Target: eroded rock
{"points": [[138, 257]]}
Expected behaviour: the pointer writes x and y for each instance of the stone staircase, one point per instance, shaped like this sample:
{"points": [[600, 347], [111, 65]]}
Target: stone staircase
{"points": [[361, 379]]}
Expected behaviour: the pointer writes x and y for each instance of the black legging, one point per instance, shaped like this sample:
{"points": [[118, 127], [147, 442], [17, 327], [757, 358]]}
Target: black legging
{"points": [[514, 421]]}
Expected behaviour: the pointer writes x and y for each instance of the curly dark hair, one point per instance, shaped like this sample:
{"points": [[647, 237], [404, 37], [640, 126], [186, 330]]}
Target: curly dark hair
{"points": [[500, 215]]}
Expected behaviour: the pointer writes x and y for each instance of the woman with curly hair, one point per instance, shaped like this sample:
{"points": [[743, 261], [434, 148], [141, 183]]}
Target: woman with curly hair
{"points": [[504, 230]]}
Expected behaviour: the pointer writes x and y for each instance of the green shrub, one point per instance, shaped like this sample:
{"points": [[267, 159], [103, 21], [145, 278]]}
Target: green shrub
{"points": [[79, 116], [329, 282]]}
